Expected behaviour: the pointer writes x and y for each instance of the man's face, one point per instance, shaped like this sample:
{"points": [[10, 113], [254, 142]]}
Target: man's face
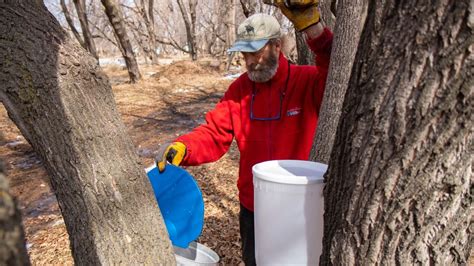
{"points": [[263, 64]]}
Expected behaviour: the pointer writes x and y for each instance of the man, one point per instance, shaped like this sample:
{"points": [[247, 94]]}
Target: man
{"points": [[271, 110]]}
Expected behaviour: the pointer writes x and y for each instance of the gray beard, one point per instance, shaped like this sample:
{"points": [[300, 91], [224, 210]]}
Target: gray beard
{"points": [[264, 73]]}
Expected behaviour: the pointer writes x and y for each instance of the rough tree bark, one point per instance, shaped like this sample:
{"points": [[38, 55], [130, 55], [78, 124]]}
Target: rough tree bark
{"points": [[86, 33], [398, 188], [230, 23], [151, 17], [12, 236], [248, 7], [64, 106], [305, 56], [114, 13], [346, 38], [70, 22], [192, 13], [190, 25], [327, 11]]}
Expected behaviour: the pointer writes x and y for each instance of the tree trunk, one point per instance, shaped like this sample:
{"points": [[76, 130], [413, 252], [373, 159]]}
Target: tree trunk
{"points": [[12, 236], [149, 20], [327, 12], [88, 40], [230, 29], [114, 13], [151, 31], [70, 22], [63, 104], [346, 39], [188, 24], [305, 56], [398, 188], [247, 7], [192, 13], [230, 23]]}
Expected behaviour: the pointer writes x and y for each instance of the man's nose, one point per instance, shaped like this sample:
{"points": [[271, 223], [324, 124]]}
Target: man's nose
{"points": [[250, 59]]}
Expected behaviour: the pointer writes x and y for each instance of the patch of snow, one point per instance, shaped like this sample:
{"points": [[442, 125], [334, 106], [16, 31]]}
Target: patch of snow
{"points": [[42, 206], [236, 68], [28, 162], [14, 143], [112, 61], [165, 61], [232, 76], [184, 90], [58, 222]]}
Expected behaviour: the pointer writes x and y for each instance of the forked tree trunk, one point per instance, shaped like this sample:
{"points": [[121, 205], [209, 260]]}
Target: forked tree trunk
{"points": [[88, 40], [70, 22], [12, 235], [189, 24], [346, 38], [63, 104], [151, 17], [114, 13], [398, 189], [146, 11]]}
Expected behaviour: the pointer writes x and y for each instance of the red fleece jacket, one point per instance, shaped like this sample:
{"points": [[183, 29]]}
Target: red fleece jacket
{"points": [[289, 137]]}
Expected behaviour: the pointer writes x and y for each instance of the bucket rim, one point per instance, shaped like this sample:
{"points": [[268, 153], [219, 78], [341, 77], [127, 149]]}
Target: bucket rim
{"points": [[259, 172], [201, 247]]}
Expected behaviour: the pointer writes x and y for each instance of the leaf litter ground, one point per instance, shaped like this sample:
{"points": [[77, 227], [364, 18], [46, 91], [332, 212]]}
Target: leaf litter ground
{"points": [[169, 101]]}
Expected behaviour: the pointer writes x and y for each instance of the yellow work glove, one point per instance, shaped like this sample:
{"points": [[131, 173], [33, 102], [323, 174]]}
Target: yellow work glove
{"points": [[170, 152], [302, 13]]}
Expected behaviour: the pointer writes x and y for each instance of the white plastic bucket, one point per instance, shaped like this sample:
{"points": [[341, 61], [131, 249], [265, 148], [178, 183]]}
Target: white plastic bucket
{"points": [[196, 254], [288, 212]]}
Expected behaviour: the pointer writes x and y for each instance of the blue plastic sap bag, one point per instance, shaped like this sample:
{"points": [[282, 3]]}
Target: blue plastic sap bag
{"points": [[180, 201]]}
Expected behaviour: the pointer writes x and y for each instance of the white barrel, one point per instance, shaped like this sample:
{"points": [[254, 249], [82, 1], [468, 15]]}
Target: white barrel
{"points": [[195, 255], [288, 203]]}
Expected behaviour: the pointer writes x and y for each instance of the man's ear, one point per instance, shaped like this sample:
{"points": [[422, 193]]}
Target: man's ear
{"points": [[278, 44]]}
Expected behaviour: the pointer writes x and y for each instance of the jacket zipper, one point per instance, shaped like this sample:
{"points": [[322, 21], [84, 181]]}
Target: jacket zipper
{"points": [[270, 140]]}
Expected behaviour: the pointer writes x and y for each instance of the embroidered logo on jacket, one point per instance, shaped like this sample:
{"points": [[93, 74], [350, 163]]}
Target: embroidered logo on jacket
{"points": [[293, 111]]}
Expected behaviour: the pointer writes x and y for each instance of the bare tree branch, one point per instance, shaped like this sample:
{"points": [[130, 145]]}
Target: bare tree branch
{"points": [[104, 36]]}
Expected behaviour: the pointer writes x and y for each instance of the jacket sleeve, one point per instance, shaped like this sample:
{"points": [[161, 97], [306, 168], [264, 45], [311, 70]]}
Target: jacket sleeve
{"points": [[210, 141], [321, 47]]}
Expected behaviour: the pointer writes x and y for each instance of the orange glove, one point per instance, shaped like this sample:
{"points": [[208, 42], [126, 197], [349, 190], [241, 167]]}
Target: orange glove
{"points": [[170, 152], [302, 13]]}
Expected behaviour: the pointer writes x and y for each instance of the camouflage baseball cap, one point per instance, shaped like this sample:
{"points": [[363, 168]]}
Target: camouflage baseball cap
{"points": [[255, 32]]}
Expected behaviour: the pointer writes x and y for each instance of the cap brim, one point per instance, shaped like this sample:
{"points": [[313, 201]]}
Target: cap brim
{"points": [[247, 46]]}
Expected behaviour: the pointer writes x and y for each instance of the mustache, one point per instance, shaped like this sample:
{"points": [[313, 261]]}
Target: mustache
{"points": [[258, 67]]}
